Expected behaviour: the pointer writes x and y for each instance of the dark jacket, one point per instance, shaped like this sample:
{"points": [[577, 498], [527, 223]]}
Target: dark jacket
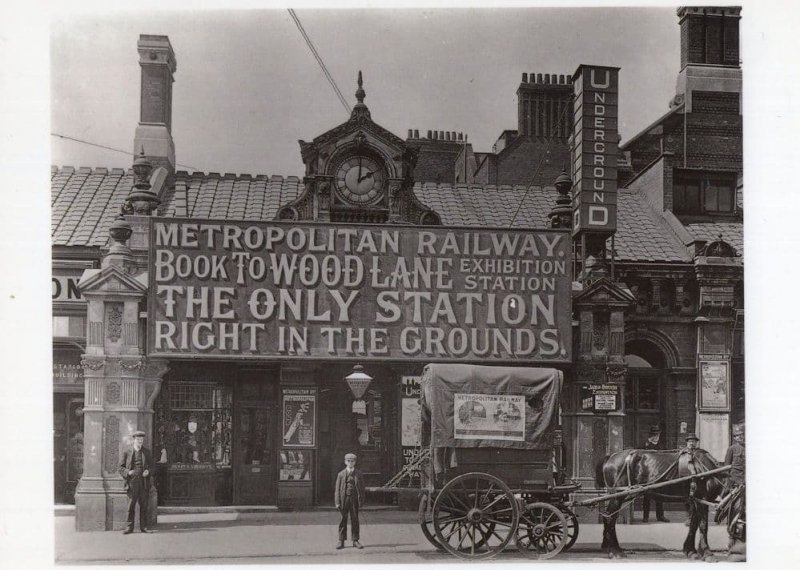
{"points": [[735, 457], [126, 464], [340, 487]]}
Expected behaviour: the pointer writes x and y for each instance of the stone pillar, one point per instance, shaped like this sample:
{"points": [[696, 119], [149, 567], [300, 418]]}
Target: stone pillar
{"points": [[593, 407], [121, 384], [717, 268]]}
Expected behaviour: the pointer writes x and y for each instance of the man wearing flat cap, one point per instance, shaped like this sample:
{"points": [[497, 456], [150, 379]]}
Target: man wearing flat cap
{"points": [[135, 468], [349, 497], [653, 442], [735, 457]]}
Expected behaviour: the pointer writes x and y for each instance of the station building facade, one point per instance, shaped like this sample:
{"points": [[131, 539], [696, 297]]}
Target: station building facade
{"points": [[644, 315]]}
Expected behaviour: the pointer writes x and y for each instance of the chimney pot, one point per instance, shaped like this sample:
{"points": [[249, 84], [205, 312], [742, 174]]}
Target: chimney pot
{"points": [[561, 79], [416, 133], [524, 77], [430, 135], [547, 78], [539, 78], [410, 132], [569, 80]]}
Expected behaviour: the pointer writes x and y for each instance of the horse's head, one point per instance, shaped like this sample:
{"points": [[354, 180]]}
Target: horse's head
{"points": [[712, 486]]}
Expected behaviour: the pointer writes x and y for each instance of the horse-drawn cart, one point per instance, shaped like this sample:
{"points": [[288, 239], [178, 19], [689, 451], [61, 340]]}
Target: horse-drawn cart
{"points": [[487, 465], [487, 473]]}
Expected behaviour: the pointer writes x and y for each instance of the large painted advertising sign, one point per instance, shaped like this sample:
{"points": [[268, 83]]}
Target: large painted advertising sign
{"points": [[277, 290], [595, 146]]}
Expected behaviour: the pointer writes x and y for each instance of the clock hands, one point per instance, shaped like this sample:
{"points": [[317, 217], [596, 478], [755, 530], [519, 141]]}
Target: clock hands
{"points": [[367, 175]]}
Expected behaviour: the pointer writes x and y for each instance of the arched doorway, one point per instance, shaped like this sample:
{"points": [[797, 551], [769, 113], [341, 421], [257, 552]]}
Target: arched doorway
{"points": [[645, 402]]}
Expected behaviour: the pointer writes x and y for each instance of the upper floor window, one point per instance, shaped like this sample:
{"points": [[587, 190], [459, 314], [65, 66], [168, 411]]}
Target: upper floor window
{"points": [[704, 193]]}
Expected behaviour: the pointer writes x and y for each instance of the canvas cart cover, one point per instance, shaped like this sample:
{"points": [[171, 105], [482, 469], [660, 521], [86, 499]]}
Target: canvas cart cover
{"points": [[491, 406]]}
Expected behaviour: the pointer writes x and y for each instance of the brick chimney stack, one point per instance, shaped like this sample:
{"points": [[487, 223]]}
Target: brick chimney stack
{"points": [[709, 56], [154, 132]]}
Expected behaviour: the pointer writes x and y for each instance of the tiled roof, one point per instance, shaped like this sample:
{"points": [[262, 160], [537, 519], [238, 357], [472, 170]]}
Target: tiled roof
{"points": [[732, 232], [86, 201], [642, 235]]}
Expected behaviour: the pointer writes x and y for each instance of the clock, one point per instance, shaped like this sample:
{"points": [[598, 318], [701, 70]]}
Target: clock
{"points": [[360, 180]]}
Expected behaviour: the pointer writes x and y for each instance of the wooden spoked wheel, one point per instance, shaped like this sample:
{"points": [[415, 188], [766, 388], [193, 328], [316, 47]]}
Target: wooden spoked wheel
{"points": [[542, 531], [475, 516], [572, 526], [426, 521]]}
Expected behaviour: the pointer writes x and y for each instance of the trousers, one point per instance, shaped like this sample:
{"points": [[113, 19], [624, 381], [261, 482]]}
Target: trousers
{"points": [[137, 493], [349, 509], [646, 508]]}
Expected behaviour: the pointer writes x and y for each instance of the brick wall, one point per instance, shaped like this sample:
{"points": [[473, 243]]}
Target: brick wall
{"points": [[517, 165], [714, 132]]}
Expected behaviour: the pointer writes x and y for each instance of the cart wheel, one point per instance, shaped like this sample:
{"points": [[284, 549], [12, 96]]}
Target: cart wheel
{"points": [[475, 516], [542, 531], [572, 526], [426, 522]]}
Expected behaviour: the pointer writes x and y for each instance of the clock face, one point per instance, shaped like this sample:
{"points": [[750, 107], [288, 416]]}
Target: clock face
{"points": [[359, 180]]}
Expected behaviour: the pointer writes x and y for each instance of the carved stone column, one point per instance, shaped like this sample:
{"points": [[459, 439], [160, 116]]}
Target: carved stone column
{"points": [[593, 408], [121, 384]]}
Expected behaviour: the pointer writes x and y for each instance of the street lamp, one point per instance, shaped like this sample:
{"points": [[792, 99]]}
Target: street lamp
{"points": [[358, 381]]}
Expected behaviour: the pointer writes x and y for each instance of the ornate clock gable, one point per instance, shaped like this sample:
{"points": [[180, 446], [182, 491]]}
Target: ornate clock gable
{"points": [[359, 172]]}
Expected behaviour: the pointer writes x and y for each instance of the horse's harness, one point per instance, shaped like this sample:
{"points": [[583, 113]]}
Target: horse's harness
{"points": [[686, 466]]}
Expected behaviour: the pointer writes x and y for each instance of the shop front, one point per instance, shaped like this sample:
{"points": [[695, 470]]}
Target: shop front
{"points": [[292, 345]]}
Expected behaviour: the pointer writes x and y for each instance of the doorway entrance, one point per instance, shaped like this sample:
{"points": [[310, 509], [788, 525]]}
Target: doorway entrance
{"points": [[254, 452]]}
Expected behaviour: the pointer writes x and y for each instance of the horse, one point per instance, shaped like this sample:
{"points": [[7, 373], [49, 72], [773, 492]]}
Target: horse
{"points": [[732, 510], [632, 467]]}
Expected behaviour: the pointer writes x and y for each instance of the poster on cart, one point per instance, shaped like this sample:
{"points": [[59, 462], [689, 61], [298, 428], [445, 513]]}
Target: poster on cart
{"points": [[485, 416]]}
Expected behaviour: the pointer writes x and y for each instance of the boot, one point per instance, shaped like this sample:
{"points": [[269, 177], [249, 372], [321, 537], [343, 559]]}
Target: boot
{"points": [[340, 545]]}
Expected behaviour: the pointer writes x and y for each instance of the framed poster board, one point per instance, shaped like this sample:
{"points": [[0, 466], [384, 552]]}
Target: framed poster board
{"points": [[295, 465], [600, 398], [714, 386], [299, 417]]}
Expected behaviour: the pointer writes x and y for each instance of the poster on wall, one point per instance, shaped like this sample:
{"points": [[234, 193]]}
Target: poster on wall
{"points": [[484, 416], [410, 412], [600, 397], [714, 385], [299, 409]]}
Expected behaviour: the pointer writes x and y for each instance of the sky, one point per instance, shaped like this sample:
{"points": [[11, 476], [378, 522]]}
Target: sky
{"points": [[247, 87]]}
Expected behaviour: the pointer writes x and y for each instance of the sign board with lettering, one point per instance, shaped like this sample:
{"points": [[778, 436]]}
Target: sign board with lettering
{"points": [[278, 290], [714, 385], [594, 150], [600, 397]]}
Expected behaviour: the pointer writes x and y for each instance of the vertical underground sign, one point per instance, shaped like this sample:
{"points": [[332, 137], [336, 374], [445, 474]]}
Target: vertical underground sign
{"points": [[595, 146]]}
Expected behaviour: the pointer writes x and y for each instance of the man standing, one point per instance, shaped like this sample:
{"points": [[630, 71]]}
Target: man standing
{"points": [[686, 465], [653, 442], [348, 499], [135, 469], [735, 457]]}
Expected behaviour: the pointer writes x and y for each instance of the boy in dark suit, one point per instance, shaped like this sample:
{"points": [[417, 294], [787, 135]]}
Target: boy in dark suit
{"points": [[349, 497], [135, 468]]}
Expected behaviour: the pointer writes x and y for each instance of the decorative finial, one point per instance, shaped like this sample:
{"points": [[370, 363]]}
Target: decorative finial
{"points": [[360, 93], [360, 110]]}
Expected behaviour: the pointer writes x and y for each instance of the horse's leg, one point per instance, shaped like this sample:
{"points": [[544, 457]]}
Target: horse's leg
{"points": [[688, 545], [610, 542], [703, 549], [617, 548]]}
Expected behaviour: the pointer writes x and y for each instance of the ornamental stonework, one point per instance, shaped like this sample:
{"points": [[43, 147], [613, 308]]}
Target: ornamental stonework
{"points": [[111, 447], [113, 392], [114, 321]]}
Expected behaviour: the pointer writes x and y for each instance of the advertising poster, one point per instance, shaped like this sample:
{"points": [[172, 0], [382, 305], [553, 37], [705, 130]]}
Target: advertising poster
{"points": [[299, 408], [600, 397], [484, 416], [714, 385], [411, 424]]}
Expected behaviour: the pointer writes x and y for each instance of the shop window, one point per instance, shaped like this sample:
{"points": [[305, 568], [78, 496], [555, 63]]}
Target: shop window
{"points": [[193, 426], [701, 193]]}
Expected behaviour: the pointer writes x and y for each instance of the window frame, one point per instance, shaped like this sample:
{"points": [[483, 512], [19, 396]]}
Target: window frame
{"points": [[706, 183]]}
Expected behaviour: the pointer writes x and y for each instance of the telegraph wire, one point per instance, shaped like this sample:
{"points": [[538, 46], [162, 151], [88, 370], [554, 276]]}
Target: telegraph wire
{"points": [[319, 61], [111, 148], [539, 165]]}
